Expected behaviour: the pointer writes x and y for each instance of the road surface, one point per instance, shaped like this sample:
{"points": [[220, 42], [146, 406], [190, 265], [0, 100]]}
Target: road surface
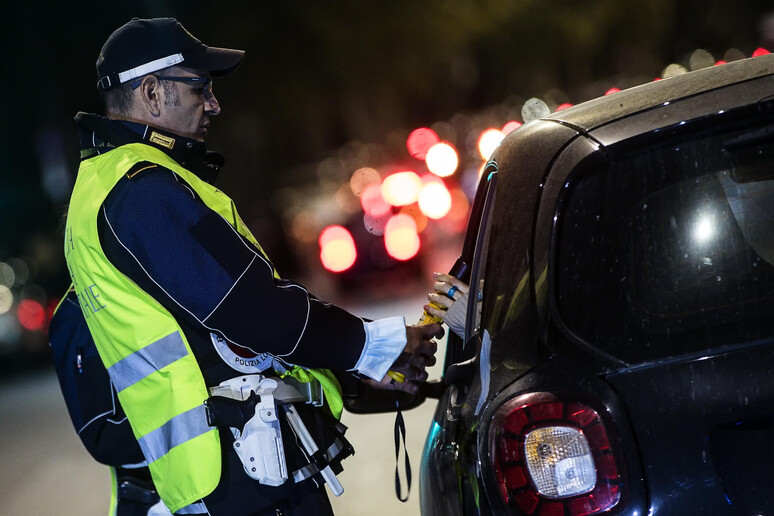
{"points": [[44, 469]]}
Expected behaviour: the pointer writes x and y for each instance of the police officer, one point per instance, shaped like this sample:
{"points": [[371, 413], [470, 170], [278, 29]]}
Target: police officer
{"points": [[229, 376]]}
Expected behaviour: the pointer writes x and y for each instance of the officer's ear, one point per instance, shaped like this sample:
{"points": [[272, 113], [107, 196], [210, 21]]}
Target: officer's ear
{"points": [[151, 92]]}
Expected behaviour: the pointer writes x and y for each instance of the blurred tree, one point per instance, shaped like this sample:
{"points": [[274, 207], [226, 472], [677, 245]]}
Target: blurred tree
{"points": [[319, 74]]}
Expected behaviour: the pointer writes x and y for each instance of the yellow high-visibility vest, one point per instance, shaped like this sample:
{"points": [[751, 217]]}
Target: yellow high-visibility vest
{"points": [[159, 382]]}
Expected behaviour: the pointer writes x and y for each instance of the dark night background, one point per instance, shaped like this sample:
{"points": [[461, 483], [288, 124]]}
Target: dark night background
{"points": [[320, 79]]}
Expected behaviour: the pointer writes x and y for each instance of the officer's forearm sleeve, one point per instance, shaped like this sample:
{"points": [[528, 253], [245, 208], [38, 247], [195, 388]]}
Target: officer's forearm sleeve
{"points": [[385, 340]]}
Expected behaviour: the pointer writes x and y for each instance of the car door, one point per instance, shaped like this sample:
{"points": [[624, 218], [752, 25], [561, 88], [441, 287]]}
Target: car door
{"points": [[445, 487], [503, 212]]}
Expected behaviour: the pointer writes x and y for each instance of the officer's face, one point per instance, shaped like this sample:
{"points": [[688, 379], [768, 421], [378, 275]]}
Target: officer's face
{"points": [[187, 108]]}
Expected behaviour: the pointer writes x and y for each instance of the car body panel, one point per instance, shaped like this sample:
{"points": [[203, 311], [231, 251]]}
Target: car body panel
{"points": [[693, 431]]}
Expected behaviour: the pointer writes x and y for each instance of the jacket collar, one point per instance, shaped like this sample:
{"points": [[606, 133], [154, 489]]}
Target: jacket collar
{"points": [[99, 135]]}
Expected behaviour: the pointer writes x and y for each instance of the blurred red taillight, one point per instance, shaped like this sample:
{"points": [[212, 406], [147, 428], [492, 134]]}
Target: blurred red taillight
{"points": [[553, 457]]}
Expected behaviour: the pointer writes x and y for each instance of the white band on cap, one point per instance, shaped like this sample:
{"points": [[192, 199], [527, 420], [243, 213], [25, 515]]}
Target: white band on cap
{"points": [[151, 67]]}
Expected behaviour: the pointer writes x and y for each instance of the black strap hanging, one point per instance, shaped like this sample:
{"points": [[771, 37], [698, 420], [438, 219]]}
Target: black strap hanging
{"points": [[400, 431]]}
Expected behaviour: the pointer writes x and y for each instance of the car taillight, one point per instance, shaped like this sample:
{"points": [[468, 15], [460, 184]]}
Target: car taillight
{"points": [[553, 457]]}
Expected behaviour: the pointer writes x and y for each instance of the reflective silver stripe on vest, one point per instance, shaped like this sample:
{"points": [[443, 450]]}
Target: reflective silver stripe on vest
{"points": [[146, 361], [194, 508], [179, 429]]}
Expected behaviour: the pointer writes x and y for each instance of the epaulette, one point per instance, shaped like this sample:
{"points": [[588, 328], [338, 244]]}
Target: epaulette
{"points": [[141, 168]]}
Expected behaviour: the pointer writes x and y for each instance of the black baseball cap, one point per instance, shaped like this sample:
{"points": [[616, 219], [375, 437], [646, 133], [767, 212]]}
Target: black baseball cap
{"points": [[143, 46]]}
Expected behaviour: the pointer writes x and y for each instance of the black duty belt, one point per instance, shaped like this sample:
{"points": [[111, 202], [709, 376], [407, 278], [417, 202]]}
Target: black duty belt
{"points": [[224, 410]]}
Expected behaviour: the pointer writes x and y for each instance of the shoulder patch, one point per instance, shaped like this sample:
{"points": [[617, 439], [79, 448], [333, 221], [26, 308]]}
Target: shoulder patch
{"points": [[140, 168]]}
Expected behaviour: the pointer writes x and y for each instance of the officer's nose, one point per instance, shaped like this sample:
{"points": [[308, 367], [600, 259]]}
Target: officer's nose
{"points": [[211, 105]]}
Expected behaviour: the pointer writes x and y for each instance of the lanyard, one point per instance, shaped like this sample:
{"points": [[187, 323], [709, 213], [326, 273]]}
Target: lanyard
{"points": [[400, 432]]}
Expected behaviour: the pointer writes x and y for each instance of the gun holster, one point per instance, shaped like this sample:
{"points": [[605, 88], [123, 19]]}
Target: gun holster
{"points": [[247, 406], [227, 412]]}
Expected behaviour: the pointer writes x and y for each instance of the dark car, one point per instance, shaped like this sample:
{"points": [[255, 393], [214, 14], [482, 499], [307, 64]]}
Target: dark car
{"points": [[622, 358]]}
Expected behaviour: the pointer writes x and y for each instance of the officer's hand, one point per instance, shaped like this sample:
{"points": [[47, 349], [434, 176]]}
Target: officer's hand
{"points": [[417, 355]]}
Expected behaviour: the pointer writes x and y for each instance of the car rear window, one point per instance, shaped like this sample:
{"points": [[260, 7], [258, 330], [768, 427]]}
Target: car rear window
{"points": [[665, 246]]}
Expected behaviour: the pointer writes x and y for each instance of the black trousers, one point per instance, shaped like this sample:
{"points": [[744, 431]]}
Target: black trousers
{"points": [[315, 503], [129, 508]]}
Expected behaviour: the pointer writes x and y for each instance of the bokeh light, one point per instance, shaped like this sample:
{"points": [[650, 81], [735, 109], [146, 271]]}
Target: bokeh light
{"points": [[435, 200], [488, 141], [509, 127], [31, 314], [420, 218], [7, 276], [442, 159], [401, 188], [733, 54], [337, 249], [400, 237], [420, 140], [6, 299], [21, 271], [533, 109], [459, 212], [612, 90], [376, 225], [760, 51], [372, 201], [673, 70], [699, 59], [362, 178]]}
